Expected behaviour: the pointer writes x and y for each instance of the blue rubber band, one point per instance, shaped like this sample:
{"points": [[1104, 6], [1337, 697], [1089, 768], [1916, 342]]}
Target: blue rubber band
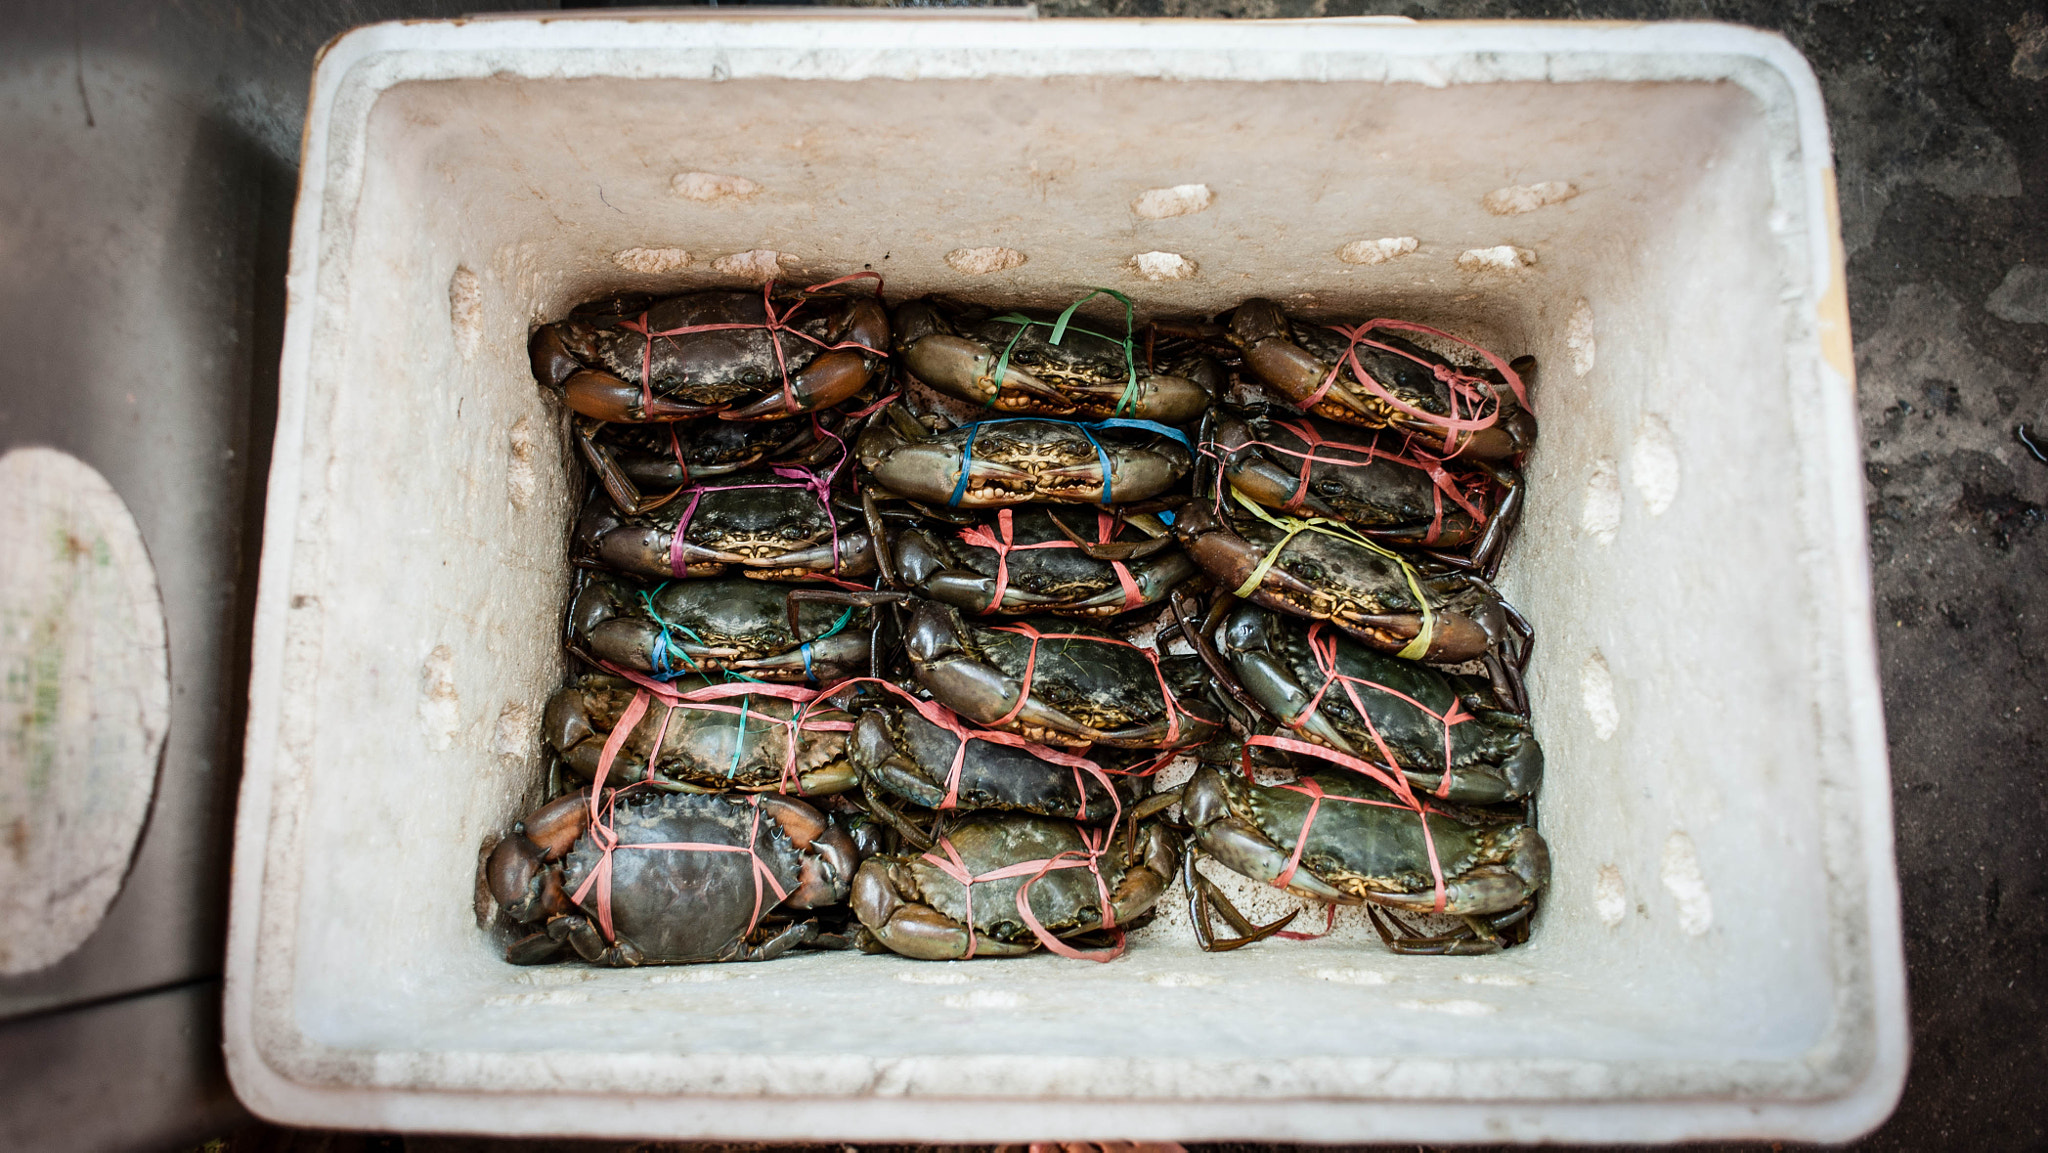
{"points": [[966, 462], [1088, 429], [740, 739], [663, 670], [1148, 426]]}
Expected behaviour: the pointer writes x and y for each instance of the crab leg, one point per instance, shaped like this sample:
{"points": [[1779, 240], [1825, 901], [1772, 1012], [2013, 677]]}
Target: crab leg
{"points": [[617, 485], [1204, 895], [1243, 849], [790, 936]]}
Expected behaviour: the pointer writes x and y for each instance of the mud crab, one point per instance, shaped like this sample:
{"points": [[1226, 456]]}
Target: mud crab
{"points": [[1340, 837], [645, 877], [1031, 559], [1326, 572], [1042, 364], [765, 355], [1059, 682], [740, 626], [920, 753], [644, 466], [1447, 735], [1366, 375], [1006, 884], [713, 736], [1387, 486], [993, 463], [782, 524]]}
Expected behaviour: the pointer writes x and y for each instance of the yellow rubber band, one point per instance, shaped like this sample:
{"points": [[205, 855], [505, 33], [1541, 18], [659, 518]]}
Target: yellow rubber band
{"points": [[1293, 526]]}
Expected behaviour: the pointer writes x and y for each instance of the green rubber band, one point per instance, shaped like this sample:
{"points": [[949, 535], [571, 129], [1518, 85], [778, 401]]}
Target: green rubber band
{"points": [[1293, 526], [668, 626], [1128, 402]]}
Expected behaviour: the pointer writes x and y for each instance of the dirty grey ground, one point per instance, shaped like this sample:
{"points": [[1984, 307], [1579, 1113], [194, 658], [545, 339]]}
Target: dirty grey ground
{"points": [[1940, 121]]}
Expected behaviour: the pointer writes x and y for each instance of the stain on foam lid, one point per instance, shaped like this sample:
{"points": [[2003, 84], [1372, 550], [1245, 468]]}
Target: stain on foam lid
{"points": [[86, 692]]}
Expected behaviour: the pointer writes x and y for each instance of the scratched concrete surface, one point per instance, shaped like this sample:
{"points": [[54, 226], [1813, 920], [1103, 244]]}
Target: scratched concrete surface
{"points": [[1940, 120]]}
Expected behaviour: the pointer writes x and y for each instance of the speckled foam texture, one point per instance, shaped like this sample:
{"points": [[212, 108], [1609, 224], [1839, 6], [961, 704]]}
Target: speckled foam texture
{"points": [[1721, 926]]}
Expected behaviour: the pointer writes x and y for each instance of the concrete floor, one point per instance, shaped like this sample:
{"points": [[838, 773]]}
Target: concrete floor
{"points": [[1940, 121]]}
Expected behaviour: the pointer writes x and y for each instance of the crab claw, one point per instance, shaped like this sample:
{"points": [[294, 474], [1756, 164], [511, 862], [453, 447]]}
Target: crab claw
{"points": [[517, 871], [973, 688], [1230, 560], [913, 928], [832, 376], [1242, 848], [830, 857], [1523, 868]]}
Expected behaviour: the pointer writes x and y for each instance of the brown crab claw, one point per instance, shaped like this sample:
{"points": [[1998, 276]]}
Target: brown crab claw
{"points": [[833, 376], [1272, 686], [553, 364], [912, 928], [1230, 559], [830, 857], [964, 368], [1259, 327], [1454, 637], [1166, 399], [930, 472], [854, 556], [1242, 848], [565, 722], [517, 872], [1523, 867], [602, 396], [824, 382], [836, 657], [914, 320], [972, 688]]}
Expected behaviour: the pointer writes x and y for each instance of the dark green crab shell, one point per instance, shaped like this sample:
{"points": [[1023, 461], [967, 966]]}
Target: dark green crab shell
{"points": [[1373, 850], [704, 749], [1344, 484], [702, 367], [752, 521], [716, 624], [683, 906], [1024, 459], [1066, 901], [899, 752], [1345, 572], [1049, 580], [1493, 756], [710, 448], [1413, 383], [1088, 673]]}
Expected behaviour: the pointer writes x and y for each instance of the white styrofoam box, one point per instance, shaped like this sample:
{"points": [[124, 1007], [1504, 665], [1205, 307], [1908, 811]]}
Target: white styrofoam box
{"points": [[1648, 209]]}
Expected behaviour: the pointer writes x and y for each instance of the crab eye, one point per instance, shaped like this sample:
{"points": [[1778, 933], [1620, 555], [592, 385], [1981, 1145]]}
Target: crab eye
{"points": [[791, 532], [753, 376], [1330, 487]]}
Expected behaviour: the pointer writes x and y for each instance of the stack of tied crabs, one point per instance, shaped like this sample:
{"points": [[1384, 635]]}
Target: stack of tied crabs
{"points": [[891, 627]]}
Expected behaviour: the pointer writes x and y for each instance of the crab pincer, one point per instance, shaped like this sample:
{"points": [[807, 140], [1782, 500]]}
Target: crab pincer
{"points": [[1059, 682], [1367, 375]]}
